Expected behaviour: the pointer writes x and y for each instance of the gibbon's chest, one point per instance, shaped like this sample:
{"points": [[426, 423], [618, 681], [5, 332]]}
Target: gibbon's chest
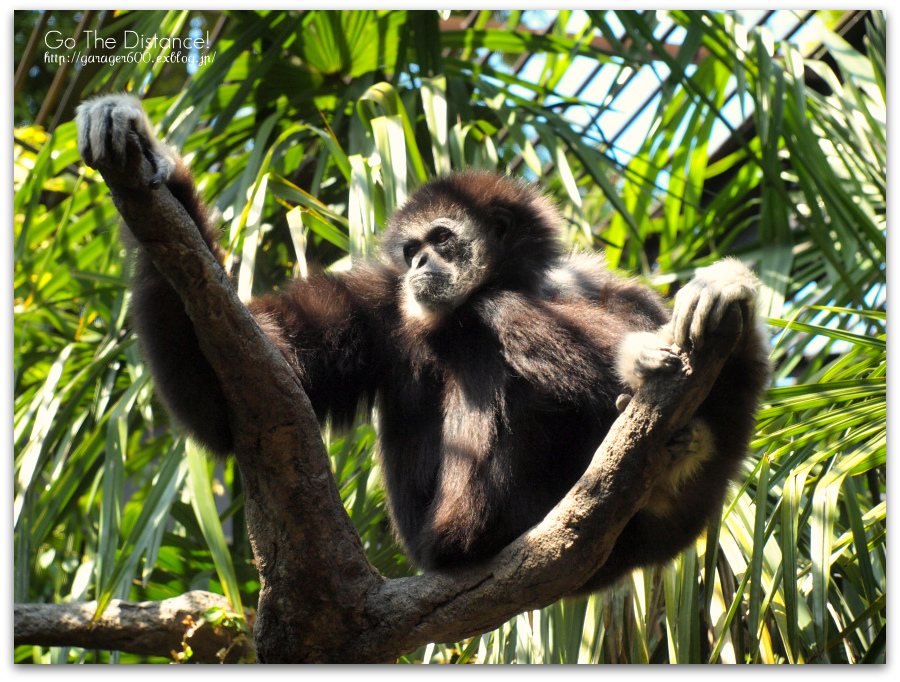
{"points": [[482, 412], [457, 389]]}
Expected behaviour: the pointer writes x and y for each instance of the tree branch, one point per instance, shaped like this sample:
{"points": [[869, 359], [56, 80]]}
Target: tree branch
{"points": [[321, 600], [572, 542], [150, 628], [312, 567]]}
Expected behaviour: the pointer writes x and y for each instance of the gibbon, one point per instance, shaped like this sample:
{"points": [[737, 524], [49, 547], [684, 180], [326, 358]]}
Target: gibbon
{"points": [[495, 358]]}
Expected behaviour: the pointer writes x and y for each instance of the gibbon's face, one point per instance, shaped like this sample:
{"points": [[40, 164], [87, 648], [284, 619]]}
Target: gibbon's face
{"points": [[458, 234], [445, 257]]}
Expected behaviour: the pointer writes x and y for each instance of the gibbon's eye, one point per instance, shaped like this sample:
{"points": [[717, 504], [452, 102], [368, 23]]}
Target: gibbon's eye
{"points": [[443, 236], [409, 250]]}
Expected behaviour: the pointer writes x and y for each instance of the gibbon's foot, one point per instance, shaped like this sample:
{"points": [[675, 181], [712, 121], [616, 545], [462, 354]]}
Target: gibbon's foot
{"points": [[103, 127], [655, 358], [644, 353], [718, 301]]}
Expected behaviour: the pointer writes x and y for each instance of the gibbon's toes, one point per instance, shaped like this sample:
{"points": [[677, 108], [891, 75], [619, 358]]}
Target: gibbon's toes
{"points": [[164, 169], [656, 359], [643, 353], [732, 325], [686, 303]]}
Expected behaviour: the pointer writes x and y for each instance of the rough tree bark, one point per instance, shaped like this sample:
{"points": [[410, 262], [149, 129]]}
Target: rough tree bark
{"points": [[151, 628], [321, 600]]}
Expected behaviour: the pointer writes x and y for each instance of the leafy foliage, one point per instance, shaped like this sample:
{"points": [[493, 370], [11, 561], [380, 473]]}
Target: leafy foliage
{"points": [[305, 129]]}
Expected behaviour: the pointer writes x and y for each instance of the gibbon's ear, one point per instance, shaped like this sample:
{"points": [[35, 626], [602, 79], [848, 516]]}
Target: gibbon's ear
{"points": [[502, 220]]}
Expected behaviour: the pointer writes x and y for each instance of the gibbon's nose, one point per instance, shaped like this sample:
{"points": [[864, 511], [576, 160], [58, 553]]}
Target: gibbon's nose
{"points": [[419, 261]]}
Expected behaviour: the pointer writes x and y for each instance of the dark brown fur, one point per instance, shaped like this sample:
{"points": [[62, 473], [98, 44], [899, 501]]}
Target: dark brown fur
{"points": [[490, 414], [485, 421]]}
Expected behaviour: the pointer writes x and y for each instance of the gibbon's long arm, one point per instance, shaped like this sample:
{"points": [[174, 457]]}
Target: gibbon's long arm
{"points": [[329, 327], [319, 324], [184, 378]]}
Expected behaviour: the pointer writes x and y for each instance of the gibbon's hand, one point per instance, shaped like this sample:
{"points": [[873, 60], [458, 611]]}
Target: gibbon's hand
{"points": [[103, 127], [700, 307]]}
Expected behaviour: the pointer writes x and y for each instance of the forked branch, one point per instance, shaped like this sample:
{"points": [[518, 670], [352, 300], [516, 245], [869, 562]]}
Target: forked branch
{"points": [[321, 600]]}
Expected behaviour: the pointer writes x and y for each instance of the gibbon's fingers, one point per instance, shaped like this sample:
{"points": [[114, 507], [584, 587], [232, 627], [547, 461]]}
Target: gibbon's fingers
{"points": [[685, 304], [699, 327], [103, 127], [732, 293]]}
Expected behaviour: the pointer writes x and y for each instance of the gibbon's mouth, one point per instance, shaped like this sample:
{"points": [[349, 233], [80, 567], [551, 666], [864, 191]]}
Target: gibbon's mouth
{"points": [[430, 287]]}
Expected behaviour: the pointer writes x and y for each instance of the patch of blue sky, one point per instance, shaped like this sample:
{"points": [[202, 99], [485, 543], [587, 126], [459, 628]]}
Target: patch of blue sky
{"points": [[533, 68], [580, 68], [875, 299], [614, 24], [629, 142], [781, 23], [579, 117], [538, 19], [614, 121], [733, 112], [751, 17], [599, 87], [677, 36], [530, 73], [808, 33], [576, 22]]}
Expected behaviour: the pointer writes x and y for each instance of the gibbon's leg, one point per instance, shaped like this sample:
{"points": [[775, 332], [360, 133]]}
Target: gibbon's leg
{"points": [[706, 454], [184, 378]]}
